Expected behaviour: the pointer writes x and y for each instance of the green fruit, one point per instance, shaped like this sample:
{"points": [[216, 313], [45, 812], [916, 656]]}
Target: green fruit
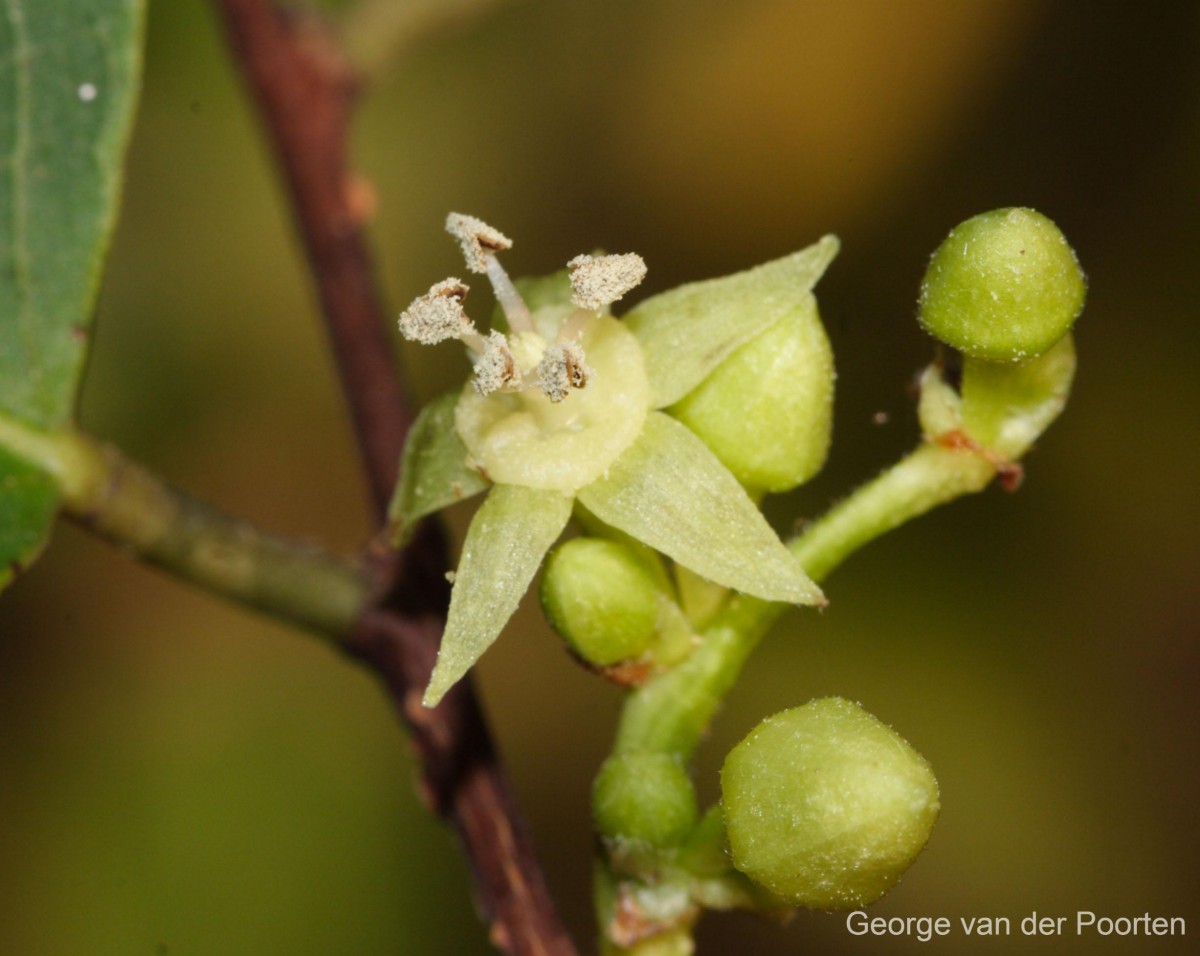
{"points": [[644, 799], [767, 410], [602, 598], [825, 806], [1004, 286]]}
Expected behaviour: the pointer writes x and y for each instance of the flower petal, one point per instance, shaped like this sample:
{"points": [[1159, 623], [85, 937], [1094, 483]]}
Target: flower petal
{"points": [[433, 471], [687, 332], [669, 491], [509, 535]]}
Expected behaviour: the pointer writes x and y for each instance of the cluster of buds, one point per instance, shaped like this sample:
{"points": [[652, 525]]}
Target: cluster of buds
{"points": [[523, 359]]}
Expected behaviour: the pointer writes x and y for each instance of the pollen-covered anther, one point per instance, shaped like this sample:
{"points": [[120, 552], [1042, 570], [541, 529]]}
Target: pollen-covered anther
{"points": [[437, 315], [496, 368], [597, 281], [478, 240], [561, 369]]}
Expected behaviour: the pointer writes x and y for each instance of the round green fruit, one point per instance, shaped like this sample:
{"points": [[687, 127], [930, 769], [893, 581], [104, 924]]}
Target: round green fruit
{"points": [[645, 799], [1004, 286], [767, 410], [826, 806], [602, 598]]}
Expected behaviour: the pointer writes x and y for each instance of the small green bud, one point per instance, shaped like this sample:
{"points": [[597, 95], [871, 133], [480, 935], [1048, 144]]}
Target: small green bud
{"points": [[1004, 286], [826, 806], [602, 598], [644, 799], [767, 410]]}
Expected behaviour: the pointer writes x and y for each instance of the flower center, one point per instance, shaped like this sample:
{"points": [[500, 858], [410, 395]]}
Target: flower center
{"points": [[515, 418], [526, 438]]}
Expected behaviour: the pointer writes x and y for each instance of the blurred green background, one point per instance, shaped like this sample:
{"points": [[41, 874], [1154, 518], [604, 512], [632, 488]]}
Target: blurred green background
{"points": [[181, 777]]}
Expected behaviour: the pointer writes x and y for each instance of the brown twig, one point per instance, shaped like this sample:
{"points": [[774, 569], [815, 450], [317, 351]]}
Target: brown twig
{"points": [[305, 92], [463, 780]]}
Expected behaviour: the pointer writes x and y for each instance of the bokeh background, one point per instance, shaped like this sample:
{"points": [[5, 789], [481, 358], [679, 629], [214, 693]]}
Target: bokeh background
{"points": [[178, 776]]}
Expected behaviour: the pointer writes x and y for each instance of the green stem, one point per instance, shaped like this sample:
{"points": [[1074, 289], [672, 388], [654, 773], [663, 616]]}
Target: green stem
{"points": [[670, 713], [929, 476], [124, 503]]}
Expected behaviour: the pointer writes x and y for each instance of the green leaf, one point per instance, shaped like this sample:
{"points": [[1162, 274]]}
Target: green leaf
{"points": [[687, 332], [68, 84], [509, 535], [669, 491], [433, 472], [69, 77], [30, 498]]}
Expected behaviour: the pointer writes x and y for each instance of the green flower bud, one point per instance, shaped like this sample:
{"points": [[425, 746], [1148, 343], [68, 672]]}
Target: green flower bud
{"points": [[602, 598], [825, 806], [644, 799], [767, 410], [1004, 286]]}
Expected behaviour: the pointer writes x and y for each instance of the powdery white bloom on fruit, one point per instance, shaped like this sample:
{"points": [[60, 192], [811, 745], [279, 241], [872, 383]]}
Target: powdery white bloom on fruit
{"points": [[565, 407]]}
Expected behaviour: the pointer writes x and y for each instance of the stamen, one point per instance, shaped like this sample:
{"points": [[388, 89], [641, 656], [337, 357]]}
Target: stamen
{"points": [[438, 315], [479, 243], [511, 303], [496, 368], [601, 280], [561, 369], [477, 238]]}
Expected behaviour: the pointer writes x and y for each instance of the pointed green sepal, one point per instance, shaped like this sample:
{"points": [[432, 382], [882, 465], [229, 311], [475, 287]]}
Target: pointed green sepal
{"points": [[433, 472], [509, 535], [669, 491], [687, 332], [939, 409]]}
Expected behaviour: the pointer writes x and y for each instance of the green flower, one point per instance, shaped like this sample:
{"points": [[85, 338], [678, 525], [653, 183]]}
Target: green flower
{"points": [[569, 406]]}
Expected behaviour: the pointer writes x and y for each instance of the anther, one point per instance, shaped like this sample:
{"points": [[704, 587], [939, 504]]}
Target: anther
{"points": [[438, 315], [480, 243], [496, 368], [561, 369], [597, 281], [478, 240]]}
